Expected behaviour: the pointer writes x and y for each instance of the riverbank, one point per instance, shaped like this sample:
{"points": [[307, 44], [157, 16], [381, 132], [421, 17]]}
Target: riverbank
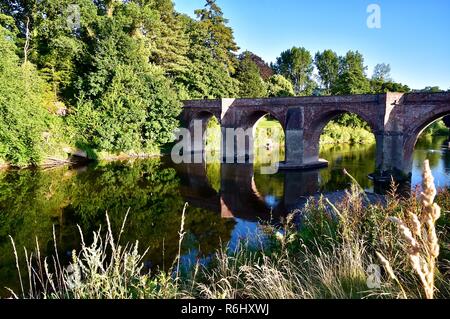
{"points": [[327, 255], [268, 134], [79, 156]]}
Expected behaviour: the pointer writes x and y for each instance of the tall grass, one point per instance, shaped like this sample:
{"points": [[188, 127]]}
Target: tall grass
{"points": [[101, 270]]}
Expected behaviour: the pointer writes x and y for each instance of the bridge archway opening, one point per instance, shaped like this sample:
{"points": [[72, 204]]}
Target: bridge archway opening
{"points": [[346, 141], [429, 140], [210, 135], [211, 147], [268, 139]]}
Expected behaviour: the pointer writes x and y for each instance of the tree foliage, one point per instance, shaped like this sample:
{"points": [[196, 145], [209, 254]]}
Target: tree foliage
{"points": [[265, 71], [382, 72], [127, 103], [327, 64], [219, 37], [208, 77], [23, 100], [279, 86], [296, 64], [352, 77], [251, 83]]}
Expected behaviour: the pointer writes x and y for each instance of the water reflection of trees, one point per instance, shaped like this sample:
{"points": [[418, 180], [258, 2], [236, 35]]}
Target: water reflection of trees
{"points": [[270, 185], [430, 147], [32, 201], [358, 160]]}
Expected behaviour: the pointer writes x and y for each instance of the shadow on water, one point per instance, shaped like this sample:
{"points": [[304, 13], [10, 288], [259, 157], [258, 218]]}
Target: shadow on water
{"points": [[226, 201]]}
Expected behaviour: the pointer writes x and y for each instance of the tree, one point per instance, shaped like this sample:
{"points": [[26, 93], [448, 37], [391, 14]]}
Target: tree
{"points": [[431, 89], [251, 83], [327, 64], [167, 39], [53, 43], [296, 64], [378, 86], [125, 103], [23, 99], [219, 37], [279, 86], [352, 78], [382, 72], [208, 77], [265, 71]]}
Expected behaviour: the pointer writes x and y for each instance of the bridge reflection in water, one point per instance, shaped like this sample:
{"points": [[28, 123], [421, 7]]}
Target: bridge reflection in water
{"points": [[239, 197]]}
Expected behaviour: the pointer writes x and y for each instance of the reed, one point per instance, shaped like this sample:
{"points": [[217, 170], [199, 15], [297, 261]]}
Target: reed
{"points": [[419, 234]]}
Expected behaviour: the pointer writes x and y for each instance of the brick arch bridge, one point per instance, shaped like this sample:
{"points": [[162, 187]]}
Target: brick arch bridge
{"points": [[396, 119]]}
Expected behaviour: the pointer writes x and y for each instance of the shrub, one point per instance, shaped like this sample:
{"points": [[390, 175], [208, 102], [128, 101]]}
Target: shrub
{"points": [[23, 115]]}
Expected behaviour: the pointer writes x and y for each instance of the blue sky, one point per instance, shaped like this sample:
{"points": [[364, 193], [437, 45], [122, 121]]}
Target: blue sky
{"points": [[414, 37]]}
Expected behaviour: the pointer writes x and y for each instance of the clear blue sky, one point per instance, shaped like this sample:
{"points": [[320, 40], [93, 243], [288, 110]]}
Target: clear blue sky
{"points": [[414, 37]]}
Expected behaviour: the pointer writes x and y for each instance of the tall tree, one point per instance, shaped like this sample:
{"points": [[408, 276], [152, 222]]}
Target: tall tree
{"points": [[296, 64], [23, 99], [327, 63], [168, 39], [220, 38], [382, 72], [251, 83], [53, 34], [352, 78], [264, 69]]}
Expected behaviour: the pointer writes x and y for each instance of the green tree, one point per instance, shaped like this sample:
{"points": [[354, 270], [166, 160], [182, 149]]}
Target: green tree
{"points": [[352, 78], [219, 37], [327, 63], [379, 86], [382, 72], [126, 103], [296, 64], [251, 83], [279, 86], [53, 34], [431, 89], [166, 37], [208, 77]]}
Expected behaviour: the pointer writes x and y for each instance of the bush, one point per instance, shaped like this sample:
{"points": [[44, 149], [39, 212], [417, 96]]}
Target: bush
{"points": [[23, 115], [136, 113], [335, 133]]}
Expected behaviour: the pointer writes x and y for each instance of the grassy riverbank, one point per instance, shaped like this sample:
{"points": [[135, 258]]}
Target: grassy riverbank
{"points": [[334, 254]]}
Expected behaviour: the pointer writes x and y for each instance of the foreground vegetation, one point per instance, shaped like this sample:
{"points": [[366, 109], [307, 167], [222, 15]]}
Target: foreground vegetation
{"points": [[332, 254]]}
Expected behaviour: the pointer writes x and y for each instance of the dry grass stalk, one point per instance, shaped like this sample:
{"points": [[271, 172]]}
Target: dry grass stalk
{"points": [[419, 234]]}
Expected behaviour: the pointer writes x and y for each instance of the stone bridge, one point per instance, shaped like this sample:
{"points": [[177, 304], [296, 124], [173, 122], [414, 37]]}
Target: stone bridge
{"points": [[396, 119]]}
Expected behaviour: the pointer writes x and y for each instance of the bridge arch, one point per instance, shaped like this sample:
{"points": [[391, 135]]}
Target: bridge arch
{"points": [[244, 123], [197, 125], [248, 119], [415, 130]]}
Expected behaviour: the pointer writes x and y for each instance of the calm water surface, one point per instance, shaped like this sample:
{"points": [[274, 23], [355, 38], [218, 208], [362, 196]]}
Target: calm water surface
{"points": [[226, 201]]}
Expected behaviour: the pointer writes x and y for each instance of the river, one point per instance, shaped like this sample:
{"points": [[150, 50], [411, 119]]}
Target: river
{"points": [[226, 202]]}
